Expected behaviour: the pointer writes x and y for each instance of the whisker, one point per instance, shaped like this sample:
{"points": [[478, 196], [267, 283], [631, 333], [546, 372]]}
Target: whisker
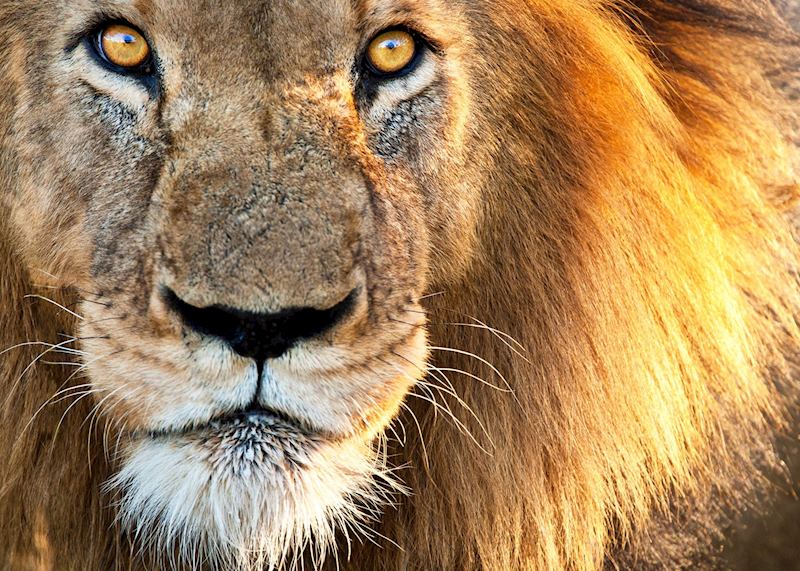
{"points": [[80, 298], [33, 344], [63, 363], [15, 385], [92, 418], [442, 377], [64, 393], [71, 406], [426, 387], [425, 460], [430, 295], [451, 391], [122, 431], [46, 403], [457, 421], [99, 404], [391, 427], [471, 376], [477, 323], [86, 364], [103, 320], [440, 374], [477, 357], [95, 302], [466, 407], [70, 351], [119, 425], [64, 287], [504, 337], [48, 300], [94, 338]]}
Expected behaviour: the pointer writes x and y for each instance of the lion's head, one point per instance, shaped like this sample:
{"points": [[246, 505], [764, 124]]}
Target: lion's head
{"points": [[278, 239]]}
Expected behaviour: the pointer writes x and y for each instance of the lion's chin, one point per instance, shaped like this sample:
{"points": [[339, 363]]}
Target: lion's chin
{"points": [[247, 492]]}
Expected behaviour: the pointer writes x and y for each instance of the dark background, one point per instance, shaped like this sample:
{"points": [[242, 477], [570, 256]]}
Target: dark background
{"points": [[791, 9], [774, 545]]}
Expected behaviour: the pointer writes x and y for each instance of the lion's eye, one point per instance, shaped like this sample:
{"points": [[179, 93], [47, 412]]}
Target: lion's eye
{"points": [[392, 53], [124, 47]]}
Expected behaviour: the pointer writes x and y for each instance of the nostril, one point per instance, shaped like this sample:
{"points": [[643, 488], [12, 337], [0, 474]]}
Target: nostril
{"points": [[259, 336]]}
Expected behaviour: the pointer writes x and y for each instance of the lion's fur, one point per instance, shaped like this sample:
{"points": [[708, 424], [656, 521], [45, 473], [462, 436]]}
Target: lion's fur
{"points": [[659, 182], [636, 240]]}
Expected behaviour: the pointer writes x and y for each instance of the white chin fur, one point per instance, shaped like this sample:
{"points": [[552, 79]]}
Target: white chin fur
{"points": [[247, 496]]}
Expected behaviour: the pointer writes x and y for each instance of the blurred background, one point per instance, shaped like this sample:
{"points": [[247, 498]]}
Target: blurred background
{"points": [[791, 9], [774, 544]]}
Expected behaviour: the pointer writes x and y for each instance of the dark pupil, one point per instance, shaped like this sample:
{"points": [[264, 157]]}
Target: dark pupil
{"points": [[128, 39]]}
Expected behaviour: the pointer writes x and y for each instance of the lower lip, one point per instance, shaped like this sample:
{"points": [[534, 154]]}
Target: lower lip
{"points": [[239, 426], [247, 445], [251, 422]]}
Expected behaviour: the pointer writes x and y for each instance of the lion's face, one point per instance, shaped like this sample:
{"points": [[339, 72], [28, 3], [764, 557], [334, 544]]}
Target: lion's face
{"points": [[251, 219]]}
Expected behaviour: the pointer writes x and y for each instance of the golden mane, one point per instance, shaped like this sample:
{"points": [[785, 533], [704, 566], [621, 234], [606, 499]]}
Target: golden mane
{"points": [[636, 243], [638, 247]]}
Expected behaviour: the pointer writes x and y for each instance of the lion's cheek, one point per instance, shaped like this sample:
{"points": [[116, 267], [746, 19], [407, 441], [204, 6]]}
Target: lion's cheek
{"points": [[52, 239]]}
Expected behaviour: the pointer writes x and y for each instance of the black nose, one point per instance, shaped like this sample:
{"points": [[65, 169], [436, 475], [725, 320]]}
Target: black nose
{"points": [[260, 336]]}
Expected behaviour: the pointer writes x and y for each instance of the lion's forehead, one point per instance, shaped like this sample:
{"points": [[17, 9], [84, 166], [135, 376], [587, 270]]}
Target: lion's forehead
{"points": [[270, 41]]}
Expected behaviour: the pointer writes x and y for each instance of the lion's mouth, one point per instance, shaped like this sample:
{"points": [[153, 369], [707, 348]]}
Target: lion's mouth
{"points": [[248, 442], [252, 418]]}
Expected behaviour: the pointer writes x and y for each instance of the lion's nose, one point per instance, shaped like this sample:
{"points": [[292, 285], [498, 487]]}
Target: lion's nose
{"points": [[260, 336]]}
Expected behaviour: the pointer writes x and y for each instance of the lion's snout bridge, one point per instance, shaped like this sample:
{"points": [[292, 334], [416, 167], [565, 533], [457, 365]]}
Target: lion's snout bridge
{"points": [[260, 336], [259, 217]]}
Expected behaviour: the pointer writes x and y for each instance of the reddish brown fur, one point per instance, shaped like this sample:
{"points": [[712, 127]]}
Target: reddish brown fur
{"points": [[626, 184]]}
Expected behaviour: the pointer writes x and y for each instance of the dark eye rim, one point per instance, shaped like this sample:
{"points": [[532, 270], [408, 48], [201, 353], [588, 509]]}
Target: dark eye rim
{"points": [[95, 41], [420, 46]]}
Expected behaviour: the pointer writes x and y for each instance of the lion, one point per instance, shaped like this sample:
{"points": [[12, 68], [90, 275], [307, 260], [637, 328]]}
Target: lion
{"points": [[393, 285]]}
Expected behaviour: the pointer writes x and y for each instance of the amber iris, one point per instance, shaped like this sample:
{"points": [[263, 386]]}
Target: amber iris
{"points": [[391, 51], [123, 46]]}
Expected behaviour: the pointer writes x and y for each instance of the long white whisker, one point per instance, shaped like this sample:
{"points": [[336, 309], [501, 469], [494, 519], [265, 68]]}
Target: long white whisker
{"points": [[504, 337], [71, 406], [69, 392], [15, 385], [46, 403], [477, 357], [463, 404], [48, 300], [470, 375], [425, 459], [430, 295], [449, 390], [63, 363], [458, 422], [31, 344]]}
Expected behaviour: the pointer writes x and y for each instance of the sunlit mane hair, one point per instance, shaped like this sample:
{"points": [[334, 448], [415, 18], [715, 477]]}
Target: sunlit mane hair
{"points": [[638, 247], [634, 284]]}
